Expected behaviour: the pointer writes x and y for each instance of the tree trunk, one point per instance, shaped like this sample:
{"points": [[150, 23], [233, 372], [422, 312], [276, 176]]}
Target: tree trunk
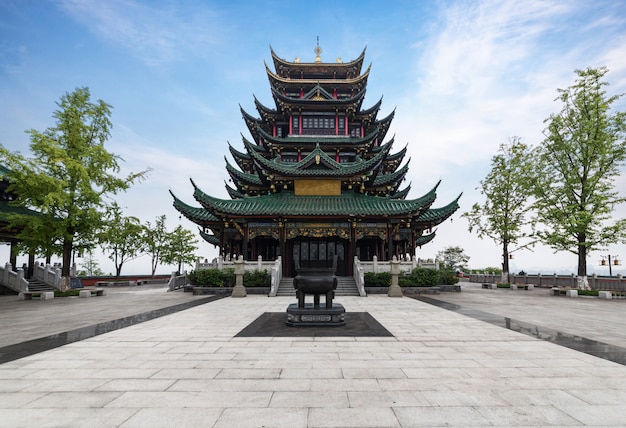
{"points": [[65, 268], [582, 281], [505, 263]]}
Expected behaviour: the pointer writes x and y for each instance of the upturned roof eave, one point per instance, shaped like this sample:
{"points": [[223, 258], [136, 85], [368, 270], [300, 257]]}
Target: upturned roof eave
{"points": [[358, 62]]}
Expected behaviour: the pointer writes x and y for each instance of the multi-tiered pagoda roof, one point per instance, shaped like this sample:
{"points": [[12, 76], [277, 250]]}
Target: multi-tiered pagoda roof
{"points": [[317, 156]]}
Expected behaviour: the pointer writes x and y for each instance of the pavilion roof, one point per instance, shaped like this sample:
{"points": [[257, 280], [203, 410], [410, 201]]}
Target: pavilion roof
{"points": [[354, 66], [286, 204], [318, 164]]}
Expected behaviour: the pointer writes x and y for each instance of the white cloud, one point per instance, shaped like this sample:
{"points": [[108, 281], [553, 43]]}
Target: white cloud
{"points": [[155, 33]]}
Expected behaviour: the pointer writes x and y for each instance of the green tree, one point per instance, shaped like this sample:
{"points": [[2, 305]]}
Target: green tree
{"points": [[181, 248], [453, 258], [156, 238], [90, 266], [575, 168], [503, 215], [68, 178], [121, 238]]}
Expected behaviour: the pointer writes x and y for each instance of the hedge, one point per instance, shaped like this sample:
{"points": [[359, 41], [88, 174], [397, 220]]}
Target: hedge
{"points": [[419, 277], [226, 278]]}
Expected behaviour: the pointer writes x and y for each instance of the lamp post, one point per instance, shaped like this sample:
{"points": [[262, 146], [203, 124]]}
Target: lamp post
{"points": [[607, 260]]}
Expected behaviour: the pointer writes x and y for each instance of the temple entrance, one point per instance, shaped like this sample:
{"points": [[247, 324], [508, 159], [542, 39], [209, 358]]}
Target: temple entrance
{"points": [[367, 248], [266, 247], [318, 252]]}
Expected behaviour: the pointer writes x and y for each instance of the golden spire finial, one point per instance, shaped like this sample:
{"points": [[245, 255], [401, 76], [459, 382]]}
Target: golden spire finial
{"points": [[318, 51]]}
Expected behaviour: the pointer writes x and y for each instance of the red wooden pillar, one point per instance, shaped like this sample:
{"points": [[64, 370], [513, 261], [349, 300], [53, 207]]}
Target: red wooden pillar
{"points": [[290, 124]]}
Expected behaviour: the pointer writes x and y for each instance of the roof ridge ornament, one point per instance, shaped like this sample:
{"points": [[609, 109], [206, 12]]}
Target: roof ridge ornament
{"points": [[318, 51]]}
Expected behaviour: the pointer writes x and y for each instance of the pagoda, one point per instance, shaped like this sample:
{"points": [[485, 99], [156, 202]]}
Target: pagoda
{"points": [[317, 178]]}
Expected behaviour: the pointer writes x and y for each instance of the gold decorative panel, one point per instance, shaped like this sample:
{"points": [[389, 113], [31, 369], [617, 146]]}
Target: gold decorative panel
{"points": [[306, 187]]}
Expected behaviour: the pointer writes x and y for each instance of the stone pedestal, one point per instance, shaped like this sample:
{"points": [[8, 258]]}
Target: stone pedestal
{"points": [[239, 290], [394, 288], [321, 316], [571, 293], [605, 295]]}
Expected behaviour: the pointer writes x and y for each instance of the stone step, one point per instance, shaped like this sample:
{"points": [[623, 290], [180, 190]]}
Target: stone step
{"points": [[345, 287], [34, 285]]}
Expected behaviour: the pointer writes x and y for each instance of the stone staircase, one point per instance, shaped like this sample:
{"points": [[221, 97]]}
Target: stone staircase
{"points": [[345, 287], [34, 285]]}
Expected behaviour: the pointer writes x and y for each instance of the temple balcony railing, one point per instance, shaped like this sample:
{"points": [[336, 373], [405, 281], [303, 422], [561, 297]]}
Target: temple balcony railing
{"points": [[407, 264], [596, 282], [48, 274], [13, 279]]}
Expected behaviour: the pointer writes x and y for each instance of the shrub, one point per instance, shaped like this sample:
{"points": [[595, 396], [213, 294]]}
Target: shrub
{"points": [[207, 277], [382, 279], [420, 277], [447, 277], [226, 278], [257, 278]]}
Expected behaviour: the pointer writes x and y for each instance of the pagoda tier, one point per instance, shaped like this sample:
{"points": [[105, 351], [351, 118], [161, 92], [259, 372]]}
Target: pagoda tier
{"points": [[317, 69], [317, 177]]}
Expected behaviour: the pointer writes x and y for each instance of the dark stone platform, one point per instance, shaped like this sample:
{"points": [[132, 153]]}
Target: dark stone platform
{"points": [[274, 324], [311, 316]]}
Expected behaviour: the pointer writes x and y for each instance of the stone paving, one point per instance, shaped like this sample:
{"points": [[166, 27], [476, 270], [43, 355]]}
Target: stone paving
{"points": [[440, 369]]}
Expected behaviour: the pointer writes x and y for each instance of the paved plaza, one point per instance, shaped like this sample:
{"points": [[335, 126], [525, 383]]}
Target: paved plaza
{"points": [[189, 368]]}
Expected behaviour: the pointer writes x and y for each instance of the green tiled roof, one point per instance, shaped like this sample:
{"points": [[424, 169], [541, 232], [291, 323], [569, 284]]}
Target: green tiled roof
{"points": [[242, 176], [382, 180], [425, 239], [435, 216], [195, 214], [211, 239], [288, 204], [328, 166], [357, 99]]}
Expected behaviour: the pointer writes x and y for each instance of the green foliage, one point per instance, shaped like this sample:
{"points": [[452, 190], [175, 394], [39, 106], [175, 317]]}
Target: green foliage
{"points": [[575, 168], [453, 258], [382, 279], [419, 277], [67, 179], [503, 285], [588, 293], [90, 267], [226, 278], [503, 215], [180, 247], [156, 239], [207, 277], [121, 237], [257, 278], [448, 277]]}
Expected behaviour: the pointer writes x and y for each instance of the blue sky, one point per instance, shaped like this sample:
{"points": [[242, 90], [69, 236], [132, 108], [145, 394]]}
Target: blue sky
{"points": [[462, 76]]}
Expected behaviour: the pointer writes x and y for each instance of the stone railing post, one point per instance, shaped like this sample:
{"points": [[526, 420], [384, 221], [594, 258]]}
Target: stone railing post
{"points": [[239, 290], [375, 261], [259, 263], [394, 288], [220, 262], [7, 269]]}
